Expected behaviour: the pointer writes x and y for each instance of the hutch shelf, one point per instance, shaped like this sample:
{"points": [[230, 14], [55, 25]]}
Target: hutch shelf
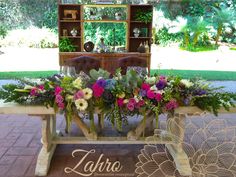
{"points": [[72, 17]]}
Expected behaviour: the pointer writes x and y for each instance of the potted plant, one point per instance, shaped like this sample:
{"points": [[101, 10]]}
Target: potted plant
{"points": [[143, 16], [65, 45]]}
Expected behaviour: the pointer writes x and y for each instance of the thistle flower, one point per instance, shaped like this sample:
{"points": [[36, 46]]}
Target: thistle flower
{"points": [[81, 104]]}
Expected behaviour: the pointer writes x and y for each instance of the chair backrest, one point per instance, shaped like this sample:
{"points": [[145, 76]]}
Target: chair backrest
{"points": [[84, 63], [125, 62]]}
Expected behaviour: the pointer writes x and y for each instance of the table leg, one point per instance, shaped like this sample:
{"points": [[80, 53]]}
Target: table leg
{"points": [[47, 150], [176, 126]]}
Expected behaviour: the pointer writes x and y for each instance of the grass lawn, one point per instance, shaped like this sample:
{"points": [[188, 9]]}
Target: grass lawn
{"points": [[28, 74], [207, 75]]}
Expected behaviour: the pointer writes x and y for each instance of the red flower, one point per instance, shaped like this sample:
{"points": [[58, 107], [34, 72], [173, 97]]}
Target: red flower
{"points": [[58, 90], [158, 97], [120, 102], [97, 90], [41, 87], [145, 86], [150, 94], [34, 92]]}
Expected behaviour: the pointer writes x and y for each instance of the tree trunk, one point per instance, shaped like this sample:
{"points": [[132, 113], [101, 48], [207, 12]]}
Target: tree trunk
{"points": [[219, 32]]}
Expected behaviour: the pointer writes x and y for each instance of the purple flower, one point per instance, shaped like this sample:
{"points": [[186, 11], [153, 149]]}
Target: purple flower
{"points": [[200, 92], [161, 84], [143, 93], [186, 101], [101, 83]]}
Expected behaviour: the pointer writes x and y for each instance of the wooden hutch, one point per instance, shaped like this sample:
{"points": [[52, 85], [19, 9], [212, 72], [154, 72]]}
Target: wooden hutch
{"points": [[76, 21]]}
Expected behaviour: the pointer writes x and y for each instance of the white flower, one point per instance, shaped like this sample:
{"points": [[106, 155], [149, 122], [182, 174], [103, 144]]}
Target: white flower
{"points": [[126, 101], [88, 93], [81, 104], [187, 83], [154, 88], [151, 80], [69, 97], [77, 83]]}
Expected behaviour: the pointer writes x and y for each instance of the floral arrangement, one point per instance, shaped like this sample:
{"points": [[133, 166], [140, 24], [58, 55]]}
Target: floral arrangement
{"points": [[116, 97]]}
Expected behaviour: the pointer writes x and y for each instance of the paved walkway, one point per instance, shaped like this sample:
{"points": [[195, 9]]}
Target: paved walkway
{"points": [[30, 59], [20, 144]]}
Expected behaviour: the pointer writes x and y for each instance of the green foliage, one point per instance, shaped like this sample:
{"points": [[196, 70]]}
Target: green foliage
{"points": [[3, 31], [213, 102], [163, 37], [193, 7], [199, 48], [233, 48], [94, 74], [143, 16], [94, 31], [25, 13], [65, 45]]}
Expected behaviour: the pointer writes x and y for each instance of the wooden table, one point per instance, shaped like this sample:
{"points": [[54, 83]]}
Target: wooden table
{"points": [[50, 138]]}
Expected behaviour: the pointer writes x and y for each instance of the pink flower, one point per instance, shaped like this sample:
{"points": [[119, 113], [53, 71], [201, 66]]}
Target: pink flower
{"points": [[120, 102], [139, 104], [58, 90], [79, 95], [132, 101], [61, 105], [130, 106], [34, 92], [41, 87], [145, 86], [158, 97], [97, 90], [171, 105], [59, 99], [150, 94]]}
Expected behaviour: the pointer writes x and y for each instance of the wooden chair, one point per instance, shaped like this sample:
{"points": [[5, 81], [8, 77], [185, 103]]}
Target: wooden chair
{"points": [[126, 62], [84, 63]]}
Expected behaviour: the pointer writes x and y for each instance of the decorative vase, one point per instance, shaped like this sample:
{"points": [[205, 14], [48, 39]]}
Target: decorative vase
{"points": [[136, 32], [141, 48], [118, 16], [74, 32]]}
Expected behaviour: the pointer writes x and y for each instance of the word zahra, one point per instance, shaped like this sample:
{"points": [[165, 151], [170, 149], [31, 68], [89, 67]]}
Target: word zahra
{"points": [[87, 168]]}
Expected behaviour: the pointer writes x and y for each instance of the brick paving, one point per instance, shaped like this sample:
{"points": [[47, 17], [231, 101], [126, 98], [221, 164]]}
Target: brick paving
{"points": [[20, 144]]}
